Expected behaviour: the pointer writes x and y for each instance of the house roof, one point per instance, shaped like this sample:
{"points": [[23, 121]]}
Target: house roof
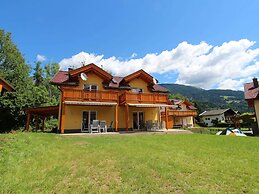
{"points": [[186, 102], [115, 82], [140, 73], [60, 77], [6, 85], [159, 88], [215, 112], [91, 67], [251, 93]]}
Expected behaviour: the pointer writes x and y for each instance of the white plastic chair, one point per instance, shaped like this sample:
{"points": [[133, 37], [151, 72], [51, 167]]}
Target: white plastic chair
{"points": [[95, 127]]}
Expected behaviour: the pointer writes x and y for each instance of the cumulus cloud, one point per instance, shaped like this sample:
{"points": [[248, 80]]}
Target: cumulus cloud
{"points": [[133, 55], [41, 58], [225, 66]]}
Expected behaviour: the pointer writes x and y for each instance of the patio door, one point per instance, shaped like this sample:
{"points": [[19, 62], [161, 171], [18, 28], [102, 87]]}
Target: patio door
{"points": [[88, 117], [138, 120]]}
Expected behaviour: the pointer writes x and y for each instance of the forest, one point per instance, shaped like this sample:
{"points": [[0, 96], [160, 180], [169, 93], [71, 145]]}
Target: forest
{"points": [[30, 81]]}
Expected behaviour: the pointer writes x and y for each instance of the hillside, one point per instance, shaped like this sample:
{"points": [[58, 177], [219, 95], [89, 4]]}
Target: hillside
{"points": [[211, 99]]}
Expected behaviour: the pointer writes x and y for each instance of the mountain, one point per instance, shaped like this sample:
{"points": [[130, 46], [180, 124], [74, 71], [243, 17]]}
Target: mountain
{"points": [[211, 99]]}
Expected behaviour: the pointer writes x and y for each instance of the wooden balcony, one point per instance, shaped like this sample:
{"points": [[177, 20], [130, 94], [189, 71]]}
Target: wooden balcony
{"points": [[154, 98], [82, 95], [180, 113]]}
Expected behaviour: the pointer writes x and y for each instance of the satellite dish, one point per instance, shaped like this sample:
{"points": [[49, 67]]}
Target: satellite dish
{"points": [[83, 76], [154, 80]]}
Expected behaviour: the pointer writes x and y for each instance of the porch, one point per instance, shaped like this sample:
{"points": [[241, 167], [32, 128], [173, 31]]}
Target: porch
{"points": [[180, 119], [78, 116]]}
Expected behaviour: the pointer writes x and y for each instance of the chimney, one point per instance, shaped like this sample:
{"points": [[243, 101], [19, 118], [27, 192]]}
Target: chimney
{"points": [[255, 82]]}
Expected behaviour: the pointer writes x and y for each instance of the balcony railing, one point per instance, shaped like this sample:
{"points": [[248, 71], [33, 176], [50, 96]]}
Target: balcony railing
{"points": [[82, 95], [180, 113], [143, 98]]}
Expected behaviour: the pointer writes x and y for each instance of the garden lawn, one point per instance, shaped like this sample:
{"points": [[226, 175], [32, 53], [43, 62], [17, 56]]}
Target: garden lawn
{"points": [[149, 163]]}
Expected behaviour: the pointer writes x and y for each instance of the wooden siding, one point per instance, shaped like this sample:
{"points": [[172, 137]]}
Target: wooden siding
{"points": [[179, 113], [81, 95], [128, 97]]}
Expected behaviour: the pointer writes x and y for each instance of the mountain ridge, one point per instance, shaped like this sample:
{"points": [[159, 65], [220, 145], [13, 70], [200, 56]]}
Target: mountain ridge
{"points": [[212, 98]]}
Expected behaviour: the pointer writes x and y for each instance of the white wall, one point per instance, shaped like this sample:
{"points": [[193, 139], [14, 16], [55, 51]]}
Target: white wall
{"points": [[207, 119]]}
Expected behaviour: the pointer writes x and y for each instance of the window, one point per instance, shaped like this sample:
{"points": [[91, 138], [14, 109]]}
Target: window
{"points": [[90, 87], [137, 90]]}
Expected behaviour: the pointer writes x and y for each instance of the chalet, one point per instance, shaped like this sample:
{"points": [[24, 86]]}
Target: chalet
{"points": [[221, 115], [252, 97], [89, 94], [5, 87], [180, 115]]}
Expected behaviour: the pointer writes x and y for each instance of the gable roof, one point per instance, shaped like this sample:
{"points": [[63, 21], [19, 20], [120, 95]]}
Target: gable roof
{"points": [[91, 67], [140, 73], [216, 112], [113, 82], [186, 102], [6, 85]]}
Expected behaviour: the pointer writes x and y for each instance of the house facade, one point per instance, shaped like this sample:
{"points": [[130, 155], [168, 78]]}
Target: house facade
{"points": [[124, 103], [5, 87], [252, 97], [180, 115], [221, 115]]}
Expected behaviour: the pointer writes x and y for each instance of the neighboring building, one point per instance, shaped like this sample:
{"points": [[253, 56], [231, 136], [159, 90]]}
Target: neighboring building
{"points": [[222, 115], [5, 87], [90, 93], [181, 114], [252, 97]]}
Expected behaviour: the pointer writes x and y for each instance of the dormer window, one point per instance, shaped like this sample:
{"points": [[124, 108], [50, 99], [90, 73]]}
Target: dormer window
{"points": [[137, 90], [90, 87]]}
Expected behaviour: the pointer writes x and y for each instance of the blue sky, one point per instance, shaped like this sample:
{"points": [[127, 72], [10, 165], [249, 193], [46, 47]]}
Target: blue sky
{"points": [[124, 32]]}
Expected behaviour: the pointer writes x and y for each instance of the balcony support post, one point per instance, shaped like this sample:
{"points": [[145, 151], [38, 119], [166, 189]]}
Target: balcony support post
{"points": [[127, 116], [166, 117], [37, 122], [62, 127], [116, 118], [28, 121]]}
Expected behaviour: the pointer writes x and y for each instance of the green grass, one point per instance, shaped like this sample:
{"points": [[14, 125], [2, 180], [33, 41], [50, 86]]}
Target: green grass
{"points": [[211, 130], [48, 163]]}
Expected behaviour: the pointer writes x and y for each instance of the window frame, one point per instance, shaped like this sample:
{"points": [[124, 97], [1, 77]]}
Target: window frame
{"points": [[90, 86]]}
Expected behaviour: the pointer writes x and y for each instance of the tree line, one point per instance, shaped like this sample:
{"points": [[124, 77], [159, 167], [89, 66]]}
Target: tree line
{"points": [[32, 84]]}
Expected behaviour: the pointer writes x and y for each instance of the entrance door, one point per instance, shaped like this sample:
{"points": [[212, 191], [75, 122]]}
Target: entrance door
{"points": [[88, 117], [138, 120]]}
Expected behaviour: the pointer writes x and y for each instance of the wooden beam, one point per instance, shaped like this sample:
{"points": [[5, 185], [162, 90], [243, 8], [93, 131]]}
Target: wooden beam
{"points": [[127, 116], [62, 127], [166, 117], [116, 118], [42, 127], [1, 86], [37, 122], [28, 121]]}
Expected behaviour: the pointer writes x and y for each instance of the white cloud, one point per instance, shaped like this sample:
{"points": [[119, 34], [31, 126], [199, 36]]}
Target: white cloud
{"points": [[41, 58], [226, 66], [133, 55]]}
